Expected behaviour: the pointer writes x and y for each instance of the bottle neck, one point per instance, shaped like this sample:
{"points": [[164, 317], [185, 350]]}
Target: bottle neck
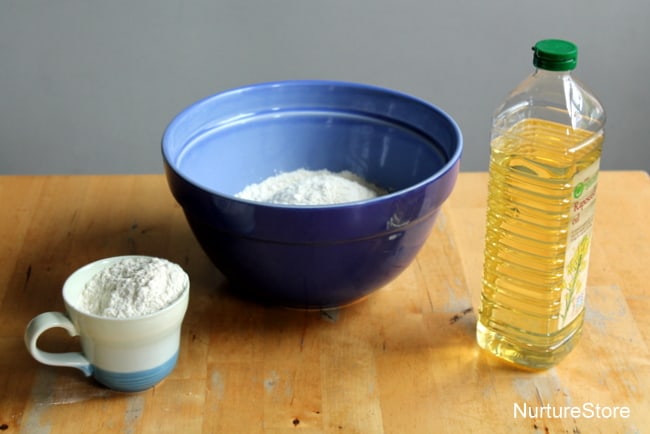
{"points": [[545, 73]]}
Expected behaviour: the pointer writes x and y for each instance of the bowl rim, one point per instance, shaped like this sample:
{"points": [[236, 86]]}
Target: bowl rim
{"points": [[452, 162]]}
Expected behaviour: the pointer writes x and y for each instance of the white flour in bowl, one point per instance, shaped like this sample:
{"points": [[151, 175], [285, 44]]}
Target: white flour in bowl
{"points": [[311, 187], [134, 286]]}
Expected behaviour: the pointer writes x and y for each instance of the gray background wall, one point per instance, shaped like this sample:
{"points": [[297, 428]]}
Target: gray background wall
{"points": [[87, 86]]}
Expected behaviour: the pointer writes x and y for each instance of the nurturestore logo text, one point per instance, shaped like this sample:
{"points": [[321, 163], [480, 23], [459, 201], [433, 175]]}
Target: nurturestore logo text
{"points": [[587, 410]]}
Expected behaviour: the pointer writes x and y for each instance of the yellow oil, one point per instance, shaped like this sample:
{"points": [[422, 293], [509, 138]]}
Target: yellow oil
{"points": [[532, 168]]}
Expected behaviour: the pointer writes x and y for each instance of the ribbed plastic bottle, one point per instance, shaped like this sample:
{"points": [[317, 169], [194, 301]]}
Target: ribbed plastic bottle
{"points": [[546, 143]]}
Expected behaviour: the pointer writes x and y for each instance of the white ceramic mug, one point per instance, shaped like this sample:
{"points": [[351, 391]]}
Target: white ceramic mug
{"points": [[130, 355]]}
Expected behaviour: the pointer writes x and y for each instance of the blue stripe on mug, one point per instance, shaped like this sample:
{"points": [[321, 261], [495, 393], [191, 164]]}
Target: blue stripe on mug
{"points": [[135, 381]]}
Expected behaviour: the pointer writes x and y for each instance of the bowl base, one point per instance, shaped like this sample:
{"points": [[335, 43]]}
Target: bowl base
{"points": [[249, 296]]}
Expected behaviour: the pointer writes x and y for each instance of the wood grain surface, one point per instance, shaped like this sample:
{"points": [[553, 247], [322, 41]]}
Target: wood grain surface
{"points": [[402, 361]]}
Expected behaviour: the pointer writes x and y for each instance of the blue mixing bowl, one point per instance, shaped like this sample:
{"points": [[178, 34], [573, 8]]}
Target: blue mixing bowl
{"points": [[299, 256]]}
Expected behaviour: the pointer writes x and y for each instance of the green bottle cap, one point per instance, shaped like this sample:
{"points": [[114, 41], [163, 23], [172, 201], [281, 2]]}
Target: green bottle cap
{"points": [[555, 55]]}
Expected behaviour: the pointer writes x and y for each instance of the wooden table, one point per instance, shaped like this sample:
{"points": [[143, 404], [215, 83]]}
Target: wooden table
{"points": [[403, 361]]}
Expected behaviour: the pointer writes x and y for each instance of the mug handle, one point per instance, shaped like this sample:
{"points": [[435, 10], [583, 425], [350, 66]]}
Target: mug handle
{"points": [[46, 321]]}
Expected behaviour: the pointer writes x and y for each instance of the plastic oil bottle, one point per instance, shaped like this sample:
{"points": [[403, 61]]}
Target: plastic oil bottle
{"points": [[546, 144]]}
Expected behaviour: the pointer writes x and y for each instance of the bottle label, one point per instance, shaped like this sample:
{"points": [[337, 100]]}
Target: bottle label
{"points": [[576, 261]]}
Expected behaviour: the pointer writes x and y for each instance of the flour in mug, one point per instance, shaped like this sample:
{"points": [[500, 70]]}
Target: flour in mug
{"points": [[311, 187], [134, 286]]}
